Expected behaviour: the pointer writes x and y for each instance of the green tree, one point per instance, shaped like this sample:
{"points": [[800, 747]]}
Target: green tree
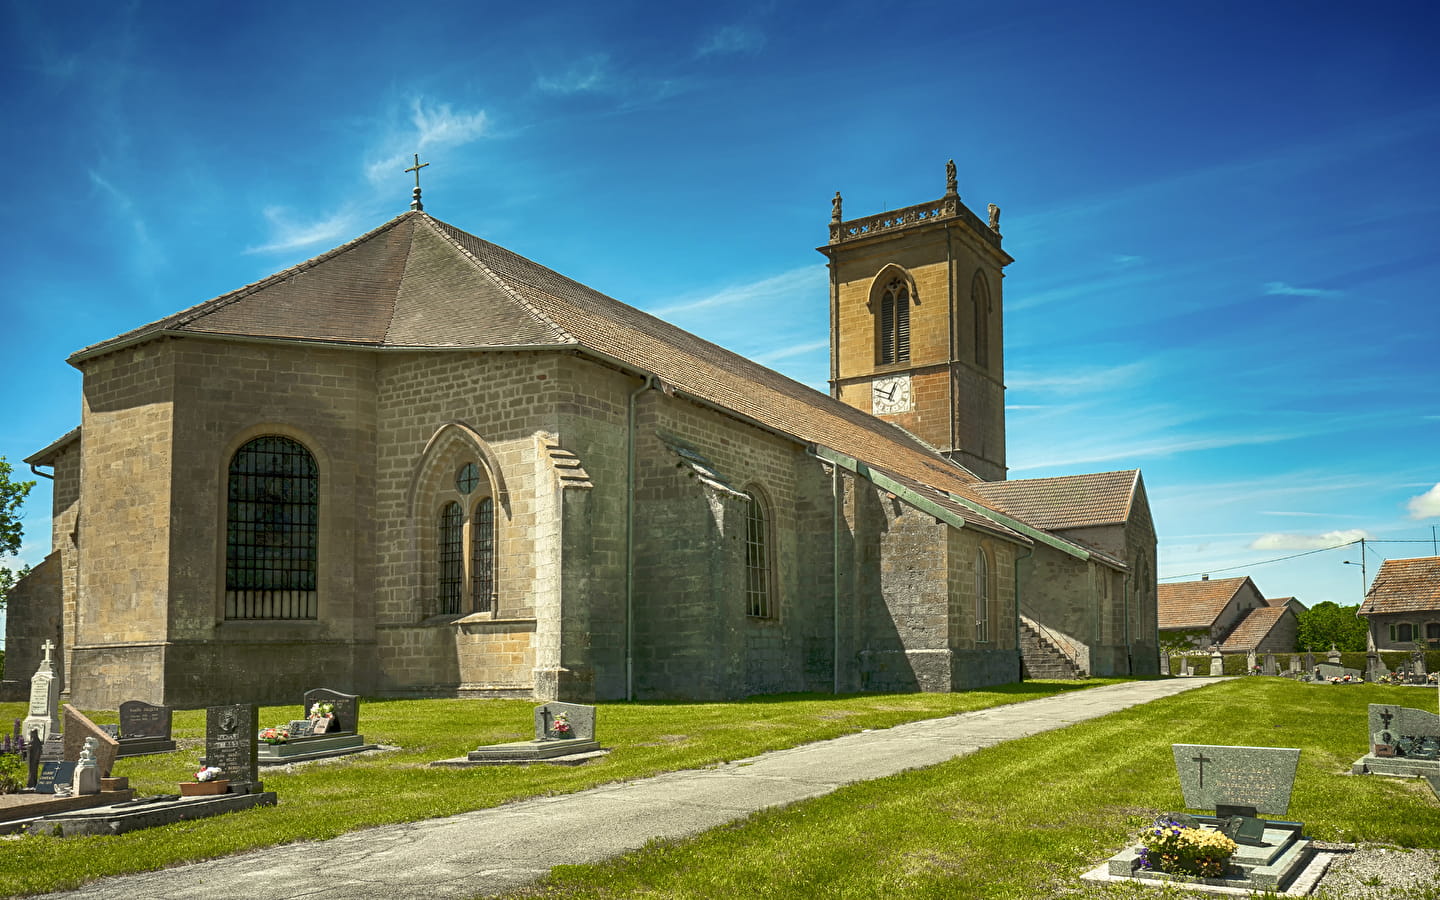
{"points": [[12, 495], [1329, 623]]}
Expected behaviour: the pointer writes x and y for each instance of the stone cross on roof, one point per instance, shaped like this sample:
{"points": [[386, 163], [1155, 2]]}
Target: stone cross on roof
{"points": [[415, 203]]}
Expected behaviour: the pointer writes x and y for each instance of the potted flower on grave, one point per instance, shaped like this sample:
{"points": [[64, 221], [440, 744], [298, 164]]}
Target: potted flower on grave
{"points": [[274, 735], [560, 726], [207, 783], [1169, 847], [322, 710]]}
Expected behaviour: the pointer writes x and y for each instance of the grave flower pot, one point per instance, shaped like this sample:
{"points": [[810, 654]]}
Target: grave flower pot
{"points": [[204, 788]]}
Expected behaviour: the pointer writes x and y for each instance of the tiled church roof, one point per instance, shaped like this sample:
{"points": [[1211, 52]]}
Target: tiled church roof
{"points": [[1195, 604], [1071, 501], [1404, 585], [417, 282]]}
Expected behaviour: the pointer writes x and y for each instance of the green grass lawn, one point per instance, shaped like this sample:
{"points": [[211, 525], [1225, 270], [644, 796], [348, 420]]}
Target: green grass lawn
{"points": [[1023, 819], [324, 799]]}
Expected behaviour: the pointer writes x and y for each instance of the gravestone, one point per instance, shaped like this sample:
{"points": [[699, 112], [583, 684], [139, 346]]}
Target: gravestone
{"points": [[580, 718], [1417, 664], [53, 773], [33, 747], [230, 745], [347, 708], [1293, 667], [1327, 671], [1334, 655], [1270, 667], [1260, 778], [44, 697], [1217, 664], [1374, 667], [1309, 661], [1403, 742], [144, 728], [1251, 661], [299, 728], [78, 729], [52, 749], [87, 772]]}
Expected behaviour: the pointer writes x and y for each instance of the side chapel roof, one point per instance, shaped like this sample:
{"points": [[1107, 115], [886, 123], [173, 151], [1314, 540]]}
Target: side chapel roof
{"points": [[418, 283], [1069, 501], [1196, 604], [1404, 585]]}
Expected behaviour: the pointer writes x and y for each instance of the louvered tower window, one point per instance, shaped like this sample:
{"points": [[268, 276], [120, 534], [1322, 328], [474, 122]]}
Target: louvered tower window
{"points": [[895, 323], [272, 531], [452, 557]]}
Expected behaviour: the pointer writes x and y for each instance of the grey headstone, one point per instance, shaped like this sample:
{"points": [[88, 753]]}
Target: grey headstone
{"points": [[1217, 664], [1309, 661], [52, 748], [580, 717], [1334, 655], [139, 719], [231, 744], [44, 697], [1407, 732], [1417, 663], [1270, 667], [53, 773], [347, 708], [1258, 777]]}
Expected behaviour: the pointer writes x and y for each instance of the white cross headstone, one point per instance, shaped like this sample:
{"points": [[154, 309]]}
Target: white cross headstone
{"points": [[44, 697]]}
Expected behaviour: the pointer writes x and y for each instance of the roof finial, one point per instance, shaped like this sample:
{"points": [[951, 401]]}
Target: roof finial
{"points": [[415, 203]]}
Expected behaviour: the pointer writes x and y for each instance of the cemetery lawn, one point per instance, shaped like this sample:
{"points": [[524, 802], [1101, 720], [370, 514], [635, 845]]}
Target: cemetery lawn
{"points": [[1025, 818], [323, 799]]}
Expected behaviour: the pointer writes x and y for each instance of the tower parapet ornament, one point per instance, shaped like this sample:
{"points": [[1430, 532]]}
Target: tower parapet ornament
{"points": [[952, 185], [994, 218], [835, 216]]}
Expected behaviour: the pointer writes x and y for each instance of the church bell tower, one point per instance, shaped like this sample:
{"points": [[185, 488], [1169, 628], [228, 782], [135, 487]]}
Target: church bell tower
{"points": [[916, 335]]}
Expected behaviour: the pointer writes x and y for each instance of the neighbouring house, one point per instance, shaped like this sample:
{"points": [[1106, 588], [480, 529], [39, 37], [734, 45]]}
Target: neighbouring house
{"points": [[420, 464], [1229, 613], [1403, 604]]}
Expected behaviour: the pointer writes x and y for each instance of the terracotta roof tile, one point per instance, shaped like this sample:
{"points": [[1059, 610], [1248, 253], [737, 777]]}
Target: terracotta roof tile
{"points": [[1195, 604], [1404, 585], [1253, 628], [1071, 501]]}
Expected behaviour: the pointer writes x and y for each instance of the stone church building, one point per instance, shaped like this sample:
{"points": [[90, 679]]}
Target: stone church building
{"points": [[422, 465]]}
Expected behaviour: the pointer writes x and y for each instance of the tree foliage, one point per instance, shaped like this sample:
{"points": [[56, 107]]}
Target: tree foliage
{"points": [[1329, 623], [12, 496]]}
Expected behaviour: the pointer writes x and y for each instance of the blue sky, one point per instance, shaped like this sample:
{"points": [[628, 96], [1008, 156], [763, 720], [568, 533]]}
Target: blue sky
{"points": [[1223, 215]]}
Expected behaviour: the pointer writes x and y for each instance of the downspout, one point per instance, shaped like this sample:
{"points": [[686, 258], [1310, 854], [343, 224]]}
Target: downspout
{"points": [[1029, 552], [1125, 608], [40, 473], [630, 534]]}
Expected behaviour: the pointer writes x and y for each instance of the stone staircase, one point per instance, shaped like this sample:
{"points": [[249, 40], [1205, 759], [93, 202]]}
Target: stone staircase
{"points": [[1040, 658]]}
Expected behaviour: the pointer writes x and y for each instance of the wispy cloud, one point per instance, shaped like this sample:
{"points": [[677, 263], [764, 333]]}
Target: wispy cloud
{"points": [[1133, 450], [1079, 381], [731, 39], [773, 289], [769, 357], [1307, 515], [433, 126], [584, 76], [1125, 260], [1426, 505], [1310, 541], [1281, 289], [289, 234]]}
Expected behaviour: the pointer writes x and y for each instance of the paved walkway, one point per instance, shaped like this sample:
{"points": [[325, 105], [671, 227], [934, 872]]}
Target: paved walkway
{"points": [[498, 849]]}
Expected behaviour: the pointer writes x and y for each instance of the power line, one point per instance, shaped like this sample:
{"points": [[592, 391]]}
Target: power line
{"points": [[1266, 562]]}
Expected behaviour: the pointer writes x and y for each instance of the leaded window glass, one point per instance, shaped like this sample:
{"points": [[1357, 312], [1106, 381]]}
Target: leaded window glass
{"points": [[758, 573], [272, 531], [482, 555], [452, 557]]}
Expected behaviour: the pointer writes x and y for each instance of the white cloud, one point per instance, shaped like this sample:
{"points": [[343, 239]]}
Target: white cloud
{"points": [[731, 39], [437, 126], [288, 234], [1281, 289], [1426, 505], [1309, 541], [1078, 381], [585, 76], [769, 357], [1126, 259], [780, 289]]}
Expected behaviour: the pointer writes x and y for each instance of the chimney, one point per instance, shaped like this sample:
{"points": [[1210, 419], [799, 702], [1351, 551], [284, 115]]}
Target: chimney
{"points": [[1204, 577]]}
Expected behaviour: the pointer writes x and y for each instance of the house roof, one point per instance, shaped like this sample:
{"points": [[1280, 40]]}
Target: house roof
{"points": [[1196, 604], [1252, 629], [46, 455], [1070, 501], [1291, 602], [419, 283], [1404, 585]]}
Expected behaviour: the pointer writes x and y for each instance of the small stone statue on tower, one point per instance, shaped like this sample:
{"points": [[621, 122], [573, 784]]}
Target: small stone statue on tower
{"points": [[952, 184], [994, 218], [835, 218]]}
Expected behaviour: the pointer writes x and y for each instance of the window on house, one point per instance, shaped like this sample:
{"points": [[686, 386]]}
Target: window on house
{"points": [[482, 555], [895, 322], [272, 531], [758, 568], [982, 597]]}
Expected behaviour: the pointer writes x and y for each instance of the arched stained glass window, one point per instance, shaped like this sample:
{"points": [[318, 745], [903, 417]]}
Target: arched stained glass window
{"points": [[272, 531], [482, 555], [758, 570], [452, 557], [982, 597]]}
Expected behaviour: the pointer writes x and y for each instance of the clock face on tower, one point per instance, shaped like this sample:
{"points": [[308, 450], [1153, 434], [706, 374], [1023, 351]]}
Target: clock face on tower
{"points": [[890, 394]]}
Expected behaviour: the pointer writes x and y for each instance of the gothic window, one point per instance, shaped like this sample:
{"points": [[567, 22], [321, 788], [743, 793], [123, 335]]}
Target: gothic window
{"points": [[272, 531], [759, 571], [982, 597], [895, 322], [980, 300], [452, 557], [482, 555]]}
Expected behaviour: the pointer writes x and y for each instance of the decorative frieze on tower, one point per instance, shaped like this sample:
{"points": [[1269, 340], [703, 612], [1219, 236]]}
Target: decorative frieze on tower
{"points": [[916, 333]]}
